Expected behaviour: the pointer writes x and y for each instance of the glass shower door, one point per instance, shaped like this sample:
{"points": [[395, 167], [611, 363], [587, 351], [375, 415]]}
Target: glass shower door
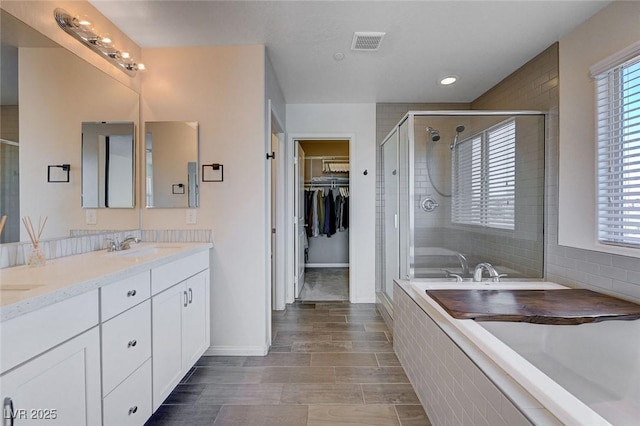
{"points": [[391, 214]]}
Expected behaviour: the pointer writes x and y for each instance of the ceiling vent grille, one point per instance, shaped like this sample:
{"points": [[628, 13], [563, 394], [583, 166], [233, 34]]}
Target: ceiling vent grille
{"points": [[367, 41]]}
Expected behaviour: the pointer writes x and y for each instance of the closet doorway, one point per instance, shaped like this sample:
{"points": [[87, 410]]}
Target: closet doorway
{"points": [[321, 182]]}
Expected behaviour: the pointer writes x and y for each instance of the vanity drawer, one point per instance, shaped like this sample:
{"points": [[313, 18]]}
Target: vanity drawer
{"points": [[130, 403], [122, 295], [126, 344]]}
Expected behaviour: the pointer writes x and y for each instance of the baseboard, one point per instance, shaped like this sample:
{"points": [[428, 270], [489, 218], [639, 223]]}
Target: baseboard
{"points": [[326, 265], [363, 300], [236, 351]]}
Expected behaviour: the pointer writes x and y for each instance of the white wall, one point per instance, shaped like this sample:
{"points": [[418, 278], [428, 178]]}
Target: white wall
{"points": [[614, 28], [360, 121], [53, 105], [223, 89]]}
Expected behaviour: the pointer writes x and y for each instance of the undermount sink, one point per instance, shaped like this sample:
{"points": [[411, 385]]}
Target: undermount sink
{"points": [[142, 251]]}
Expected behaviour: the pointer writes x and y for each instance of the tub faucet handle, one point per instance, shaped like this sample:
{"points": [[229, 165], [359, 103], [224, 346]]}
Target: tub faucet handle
{"points": [[496, 279], [452, 275]]}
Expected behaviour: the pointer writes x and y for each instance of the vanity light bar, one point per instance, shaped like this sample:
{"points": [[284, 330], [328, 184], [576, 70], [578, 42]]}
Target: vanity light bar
{"points": [[82, 31]]}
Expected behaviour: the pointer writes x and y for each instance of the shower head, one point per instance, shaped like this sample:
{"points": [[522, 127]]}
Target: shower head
{"points": [[434, 134], [459, 129]]}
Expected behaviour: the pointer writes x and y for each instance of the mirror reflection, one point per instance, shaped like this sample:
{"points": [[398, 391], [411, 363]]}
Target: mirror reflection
{"points": [[171, 164], [47, 93], [108, 165]]}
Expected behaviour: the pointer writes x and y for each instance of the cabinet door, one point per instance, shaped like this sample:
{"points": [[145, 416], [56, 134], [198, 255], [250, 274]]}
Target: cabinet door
{"points": [[166, 326], [195, 320], [59, 387]]}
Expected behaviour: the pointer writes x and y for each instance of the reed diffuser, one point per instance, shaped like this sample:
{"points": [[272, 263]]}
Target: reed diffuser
{"points": [[36, 257]]}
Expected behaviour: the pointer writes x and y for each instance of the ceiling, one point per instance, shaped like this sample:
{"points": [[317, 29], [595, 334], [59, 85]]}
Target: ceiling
{"points": [[482, 42]]}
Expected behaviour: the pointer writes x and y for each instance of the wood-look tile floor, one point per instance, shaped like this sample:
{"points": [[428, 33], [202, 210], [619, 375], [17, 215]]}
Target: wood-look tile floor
{"points": [[331, 363]]}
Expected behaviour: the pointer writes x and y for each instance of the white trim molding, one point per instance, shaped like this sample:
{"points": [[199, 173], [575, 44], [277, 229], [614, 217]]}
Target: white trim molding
{"points": [[618, 58]]}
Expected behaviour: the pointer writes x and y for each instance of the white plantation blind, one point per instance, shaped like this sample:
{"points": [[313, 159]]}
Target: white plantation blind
{"points": [[618, 129], [484, 178]]}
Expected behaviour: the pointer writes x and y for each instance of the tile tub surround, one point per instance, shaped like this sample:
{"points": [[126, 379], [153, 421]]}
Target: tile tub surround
{"points": [[453, 387], [330, 363], [63, 278]]}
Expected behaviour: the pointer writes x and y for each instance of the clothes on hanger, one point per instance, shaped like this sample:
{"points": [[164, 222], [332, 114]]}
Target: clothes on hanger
{"points": [[326, 211]]}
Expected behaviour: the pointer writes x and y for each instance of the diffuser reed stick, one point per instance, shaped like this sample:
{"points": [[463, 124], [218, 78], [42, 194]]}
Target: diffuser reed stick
{"points": [[36, 257]]}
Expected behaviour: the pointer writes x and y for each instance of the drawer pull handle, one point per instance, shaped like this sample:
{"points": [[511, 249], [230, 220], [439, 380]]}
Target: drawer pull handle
{"points": [[190, 296], [133, 410], [132, 343], [131, 293], [186, 299]]}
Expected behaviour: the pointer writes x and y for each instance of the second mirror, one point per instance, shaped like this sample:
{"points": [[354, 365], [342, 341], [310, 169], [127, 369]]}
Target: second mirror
{"points": [[171, 164]]}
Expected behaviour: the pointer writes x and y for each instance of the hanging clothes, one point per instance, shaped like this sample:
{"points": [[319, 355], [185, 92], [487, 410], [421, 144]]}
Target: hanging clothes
{"points": [[315, 230], [321, 212], [308, 212], [326, 211], [330, 214]]}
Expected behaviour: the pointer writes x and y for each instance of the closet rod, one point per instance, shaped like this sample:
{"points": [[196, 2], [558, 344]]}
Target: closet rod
{"points": [[327, 157], [327, 184]]}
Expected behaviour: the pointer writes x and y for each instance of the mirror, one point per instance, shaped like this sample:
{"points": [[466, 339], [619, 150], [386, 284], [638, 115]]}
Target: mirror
{"points": [[54, 92], [171, 160], [108, 165]]}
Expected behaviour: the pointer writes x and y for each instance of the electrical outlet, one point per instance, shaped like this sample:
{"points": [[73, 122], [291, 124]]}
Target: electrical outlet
{"points": [[192, 216], [90, 217]]}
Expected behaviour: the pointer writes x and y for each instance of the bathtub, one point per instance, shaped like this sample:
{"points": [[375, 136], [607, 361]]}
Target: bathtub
{"points": [[585, 374]]}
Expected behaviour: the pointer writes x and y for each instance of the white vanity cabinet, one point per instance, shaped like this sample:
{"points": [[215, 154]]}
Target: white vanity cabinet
{"points": [[51, 365], [180, 318], [109, 355]]}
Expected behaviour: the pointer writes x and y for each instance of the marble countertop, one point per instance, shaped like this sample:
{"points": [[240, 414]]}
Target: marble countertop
{"points": [[24, 289]]}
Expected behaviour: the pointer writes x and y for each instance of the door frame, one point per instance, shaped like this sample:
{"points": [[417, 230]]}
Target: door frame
{"points": [[289, 209], [274, 290]]}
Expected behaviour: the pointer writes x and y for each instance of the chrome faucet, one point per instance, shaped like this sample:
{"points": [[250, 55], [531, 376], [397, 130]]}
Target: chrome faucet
{"points": [[126, 244], [480, 267], [114, 245]]}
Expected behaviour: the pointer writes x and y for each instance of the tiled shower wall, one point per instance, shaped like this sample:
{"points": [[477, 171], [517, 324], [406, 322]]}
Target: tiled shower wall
{"points": [[535, 87]]}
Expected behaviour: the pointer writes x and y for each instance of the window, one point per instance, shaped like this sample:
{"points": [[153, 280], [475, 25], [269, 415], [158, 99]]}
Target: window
{"points": [[618, 130], [484, 178]]}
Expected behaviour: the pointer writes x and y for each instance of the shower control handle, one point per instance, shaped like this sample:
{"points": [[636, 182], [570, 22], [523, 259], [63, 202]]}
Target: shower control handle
{"points": [[429, 204]]}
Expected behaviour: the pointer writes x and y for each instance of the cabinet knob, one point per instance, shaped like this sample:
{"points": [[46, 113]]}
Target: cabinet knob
{"points": [[131, 293], [132, 343], [133, 410]]}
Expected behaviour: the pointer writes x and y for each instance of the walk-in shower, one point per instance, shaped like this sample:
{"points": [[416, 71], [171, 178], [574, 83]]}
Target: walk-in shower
{"points": [[463, 188]]}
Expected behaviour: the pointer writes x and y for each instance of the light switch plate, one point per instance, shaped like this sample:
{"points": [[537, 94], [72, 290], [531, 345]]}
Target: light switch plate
{"points": [[90, 217], [192, 216]]}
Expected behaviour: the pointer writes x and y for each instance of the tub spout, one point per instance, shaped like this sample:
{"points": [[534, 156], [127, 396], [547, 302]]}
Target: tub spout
{"points": [[480, 267]]}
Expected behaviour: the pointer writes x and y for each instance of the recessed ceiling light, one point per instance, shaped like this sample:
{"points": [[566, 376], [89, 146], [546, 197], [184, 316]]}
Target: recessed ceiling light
{"points": [[448, 80], [338, 56]]}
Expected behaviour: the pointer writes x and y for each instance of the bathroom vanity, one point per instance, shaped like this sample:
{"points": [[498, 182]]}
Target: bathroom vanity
{"points": [[102, 338]]}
